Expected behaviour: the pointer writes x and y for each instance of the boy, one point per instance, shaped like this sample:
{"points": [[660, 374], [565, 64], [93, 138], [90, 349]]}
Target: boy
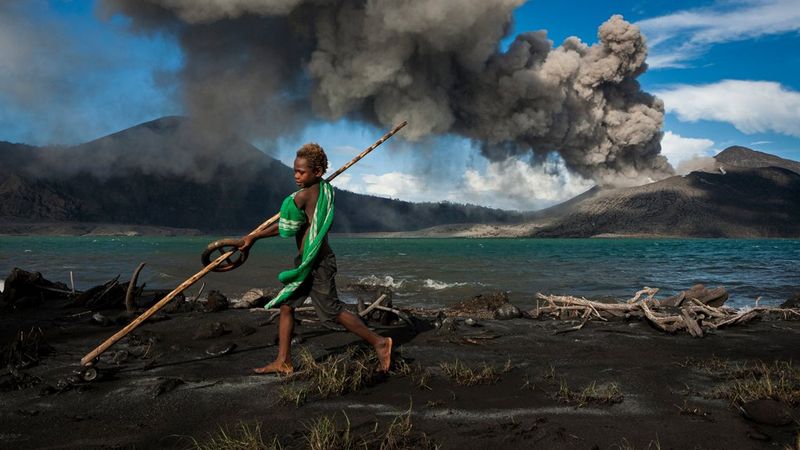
{"points": [[307, 215]]}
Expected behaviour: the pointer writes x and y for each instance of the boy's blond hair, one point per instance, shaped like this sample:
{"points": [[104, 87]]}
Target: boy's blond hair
{"points": [[314, 155]]}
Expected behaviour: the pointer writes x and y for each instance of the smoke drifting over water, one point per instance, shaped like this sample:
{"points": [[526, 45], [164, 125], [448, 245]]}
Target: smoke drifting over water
{"points": [[267, 67]]}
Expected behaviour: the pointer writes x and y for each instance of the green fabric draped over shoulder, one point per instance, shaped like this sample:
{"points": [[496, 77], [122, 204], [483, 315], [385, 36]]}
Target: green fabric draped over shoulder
{"points": [[291, 221]]}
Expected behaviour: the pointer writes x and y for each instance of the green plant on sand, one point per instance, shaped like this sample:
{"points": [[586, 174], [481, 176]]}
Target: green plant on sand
{"points": [[467, 376]]}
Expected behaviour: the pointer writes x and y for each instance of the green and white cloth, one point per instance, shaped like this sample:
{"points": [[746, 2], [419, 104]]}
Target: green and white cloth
{"points": [[291, 221]]}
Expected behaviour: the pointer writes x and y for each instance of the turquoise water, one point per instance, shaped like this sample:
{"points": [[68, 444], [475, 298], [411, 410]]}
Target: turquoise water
{"points": [[435, 272]]}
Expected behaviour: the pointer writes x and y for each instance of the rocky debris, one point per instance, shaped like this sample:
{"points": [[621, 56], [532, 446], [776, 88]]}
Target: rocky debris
{"points": [[165, 385], [446, 325], [25, 350], [507, 311], [792, 302], [254, 298], [101, 319], [767, 411], [210, 331], [120, 357], [221, 349], [246, 330], [24, 289], [182, 305], [216, 301], [481, 306], [711, 297], [18, 380]]}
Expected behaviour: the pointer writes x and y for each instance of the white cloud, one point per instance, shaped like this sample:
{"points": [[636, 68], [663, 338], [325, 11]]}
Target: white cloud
{"points": [[512, 184], [678, 148], [750, 106], [397, 185], [684, 35], [515, 184]]}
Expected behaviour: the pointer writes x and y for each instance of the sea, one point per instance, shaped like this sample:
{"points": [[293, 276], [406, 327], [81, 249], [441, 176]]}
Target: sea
{"points": [[437, 272]]}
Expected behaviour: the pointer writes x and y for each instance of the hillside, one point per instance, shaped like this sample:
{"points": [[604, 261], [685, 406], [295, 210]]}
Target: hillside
{"points": [[755, 195], [170, 173]]}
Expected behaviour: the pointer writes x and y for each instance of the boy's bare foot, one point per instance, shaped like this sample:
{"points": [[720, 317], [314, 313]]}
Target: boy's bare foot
{"points": [[284, 368], [384, 351]]}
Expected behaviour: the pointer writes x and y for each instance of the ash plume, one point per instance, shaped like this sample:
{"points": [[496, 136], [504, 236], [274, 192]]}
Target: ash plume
{"points": [[268, 67]]}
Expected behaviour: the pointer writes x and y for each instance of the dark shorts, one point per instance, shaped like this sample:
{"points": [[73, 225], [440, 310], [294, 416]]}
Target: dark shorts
{"points": [[321, 287]]}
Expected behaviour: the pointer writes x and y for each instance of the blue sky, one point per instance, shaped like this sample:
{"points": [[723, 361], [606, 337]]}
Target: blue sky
{"points": [[728, 71]]}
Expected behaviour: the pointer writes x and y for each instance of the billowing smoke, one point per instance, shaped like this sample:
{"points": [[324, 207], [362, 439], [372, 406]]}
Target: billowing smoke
{"points": [[268, 67]]}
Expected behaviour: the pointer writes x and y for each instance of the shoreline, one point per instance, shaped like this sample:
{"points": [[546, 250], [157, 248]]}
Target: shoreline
{"points": [[77, 229], [598, 387]]}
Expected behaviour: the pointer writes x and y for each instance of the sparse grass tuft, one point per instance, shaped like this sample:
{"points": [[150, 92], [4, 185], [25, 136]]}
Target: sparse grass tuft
{"points": [[293, 394], [550, 374], [399, 435], [625, 444], [243, 437], [337, 374], [528, 384], [324, 434], [779, 380], [607, 394], [466, 376], [419, 376]]}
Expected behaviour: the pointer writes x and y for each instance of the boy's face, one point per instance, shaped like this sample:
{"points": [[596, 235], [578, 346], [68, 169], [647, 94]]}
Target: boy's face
{"points": [[304, 175]]}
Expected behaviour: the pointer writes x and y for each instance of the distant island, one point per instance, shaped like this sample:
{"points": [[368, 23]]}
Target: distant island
{"points": [[169, 177], [747, 194]]}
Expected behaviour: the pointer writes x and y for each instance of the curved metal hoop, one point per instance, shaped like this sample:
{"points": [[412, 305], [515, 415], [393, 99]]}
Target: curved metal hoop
{"points": [[219, 248]]}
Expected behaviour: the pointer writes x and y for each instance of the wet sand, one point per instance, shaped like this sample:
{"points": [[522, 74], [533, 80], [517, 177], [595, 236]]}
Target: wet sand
{"points": [[169, 390]]}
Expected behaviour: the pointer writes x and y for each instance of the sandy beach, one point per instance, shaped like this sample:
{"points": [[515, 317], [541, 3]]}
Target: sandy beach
{"points": [[176, 383]]}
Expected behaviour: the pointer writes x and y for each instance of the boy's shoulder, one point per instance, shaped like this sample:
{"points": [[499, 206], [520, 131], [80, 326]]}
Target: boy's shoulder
{"points": [[308, 194]]}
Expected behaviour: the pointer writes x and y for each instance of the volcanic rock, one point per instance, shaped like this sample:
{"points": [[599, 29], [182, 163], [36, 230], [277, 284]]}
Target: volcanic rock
{"points": [[507, 311], [767, 411], [792, 302], [217, 301], [210, 331]]}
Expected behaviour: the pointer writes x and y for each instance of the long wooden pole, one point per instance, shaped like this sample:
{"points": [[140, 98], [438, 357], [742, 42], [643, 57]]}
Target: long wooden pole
{"points": [[91, 356]]}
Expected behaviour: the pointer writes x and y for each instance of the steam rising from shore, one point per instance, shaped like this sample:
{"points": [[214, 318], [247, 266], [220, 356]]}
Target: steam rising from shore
{"points": [[268, 67]]}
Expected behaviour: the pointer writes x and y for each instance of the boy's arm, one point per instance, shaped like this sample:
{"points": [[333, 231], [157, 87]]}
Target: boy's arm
{"points": [[250, 239], [300, 199]]}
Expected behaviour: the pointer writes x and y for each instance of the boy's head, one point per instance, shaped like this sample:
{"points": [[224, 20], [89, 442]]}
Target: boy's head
{"points": [[310, 164]]}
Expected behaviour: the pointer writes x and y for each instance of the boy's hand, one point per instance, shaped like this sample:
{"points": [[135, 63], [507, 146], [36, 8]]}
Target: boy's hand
{"points": [[245, 243]]}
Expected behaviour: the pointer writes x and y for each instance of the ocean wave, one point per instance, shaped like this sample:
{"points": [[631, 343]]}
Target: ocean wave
{"points": [[386, 281], [2, 285], [439, 285]]}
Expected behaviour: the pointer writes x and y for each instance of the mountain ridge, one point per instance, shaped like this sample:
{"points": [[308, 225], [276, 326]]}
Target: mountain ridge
{"points": [[170, 173]]}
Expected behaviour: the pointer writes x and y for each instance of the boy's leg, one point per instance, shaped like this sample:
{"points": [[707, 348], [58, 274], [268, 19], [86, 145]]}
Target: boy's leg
{"points": [[326, 302], [382, 345], [283, 363]]}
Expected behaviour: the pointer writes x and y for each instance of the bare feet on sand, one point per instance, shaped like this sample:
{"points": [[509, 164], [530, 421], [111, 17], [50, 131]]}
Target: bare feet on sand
{"points": [[384, 351], [283, 368]]}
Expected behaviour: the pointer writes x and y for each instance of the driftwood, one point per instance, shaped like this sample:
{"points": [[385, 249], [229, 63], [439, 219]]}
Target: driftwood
{"points": [[696, 311], [129, 294]]}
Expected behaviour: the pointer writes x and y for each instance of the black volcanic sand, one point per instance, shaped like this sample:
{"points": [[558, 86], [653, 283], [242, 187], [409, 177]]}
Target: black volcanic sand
{"points": [[177, 391]]}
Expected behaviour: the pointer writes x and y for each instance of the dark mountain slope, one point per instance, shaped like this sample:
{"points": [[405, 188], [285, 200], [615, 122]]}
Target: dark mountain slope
{"points": [[168, 172]]}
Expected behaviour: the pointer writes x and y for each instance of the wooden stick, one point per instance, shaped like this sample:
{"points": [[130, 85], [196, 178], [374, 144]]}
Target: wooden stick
{"points": [[373, 305], [91, 356]]}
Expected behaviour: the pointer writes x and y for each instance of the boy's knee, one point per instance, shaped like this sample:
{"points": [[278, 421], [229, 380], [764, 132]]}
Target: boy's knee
{"points": [[286, 309]]}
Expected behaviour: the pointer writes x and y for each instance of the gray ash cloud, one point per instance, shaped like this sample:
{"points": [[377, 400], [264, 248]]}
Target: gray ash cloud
{"points": [[268, 67]]}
